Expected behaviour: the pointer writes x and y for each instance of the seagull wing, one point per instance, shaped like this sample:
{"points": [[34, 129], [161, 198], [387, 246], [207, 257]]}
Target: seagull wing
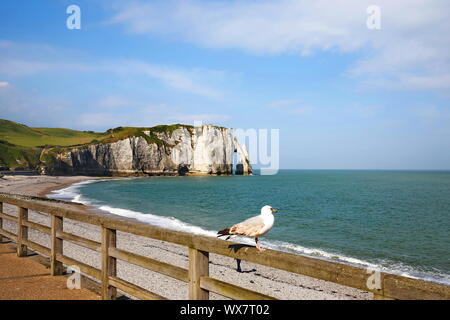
{"points": [[250, 227]]}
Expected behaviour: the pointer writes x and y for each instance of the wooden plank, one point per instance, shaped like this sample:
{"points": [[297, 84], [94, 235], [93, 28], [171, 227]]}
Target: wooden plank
{"points": [[37, 247], [198, 267], [151, 264], [56, 266], [231, 291], [8, 217], [1, 221], [340, 273], [134, 290], [22, 232], [399, 287], [109, 264], [54, 207], [86, 243], [84, 268], [326, 270], [380, 297], [38, 227], [8, 235]]}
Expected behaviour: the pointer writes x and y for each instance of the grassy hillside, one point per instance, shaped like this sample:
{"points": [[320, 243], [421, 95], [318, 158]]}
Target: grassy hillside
{"points": [[22, 135], [13, 156], [21, 146]]}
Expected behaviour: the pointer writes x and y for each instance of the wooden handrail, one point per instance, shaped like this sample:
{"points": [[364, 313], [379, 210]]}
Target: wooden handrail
{"points": [[230, 290], [37, 226], [151, 264], [83, 242], [389, 285], [8, 217]]}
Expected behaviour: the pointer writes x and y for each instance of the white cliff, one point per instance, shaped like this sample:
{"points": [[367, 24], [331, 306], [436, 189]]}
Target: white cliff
{"points": [[185, 150]]}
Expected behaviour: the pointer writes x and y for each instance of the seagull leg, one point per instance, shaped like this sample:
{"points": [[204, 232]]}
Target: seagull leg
{"points": [[258, 246]]}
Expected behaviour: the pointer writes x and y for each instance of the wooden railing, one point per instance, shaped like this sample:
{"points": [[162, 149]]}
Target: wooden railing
{"points": [[200, 284]]}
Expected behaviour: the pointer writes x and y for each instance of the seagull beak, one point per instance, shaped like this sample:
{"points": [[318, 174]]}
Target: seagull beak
{"points": [[274, 210]]}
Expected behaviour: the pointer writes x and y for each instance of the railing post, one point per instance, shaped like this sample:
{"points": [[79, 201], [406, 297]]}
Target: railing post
{"points": [[1, 221], [198, 267], [22, 232], [56, 246], [109, 264]]}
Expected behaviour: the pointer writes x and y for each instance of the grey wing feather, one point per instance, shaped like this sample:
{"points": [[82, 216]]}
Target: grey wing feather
{"points": [[252, 222], [250, 227]]}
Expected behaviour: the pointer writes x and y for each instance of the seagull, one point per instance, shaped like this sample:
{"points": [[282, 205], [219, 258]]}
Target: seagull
{"points": [[253, 227]]}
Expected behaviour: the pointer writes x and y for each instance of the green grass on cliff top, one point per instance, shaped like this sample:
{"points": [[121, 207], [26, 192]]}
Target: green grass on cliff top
{"points": [[21, 146], [21, 135]]}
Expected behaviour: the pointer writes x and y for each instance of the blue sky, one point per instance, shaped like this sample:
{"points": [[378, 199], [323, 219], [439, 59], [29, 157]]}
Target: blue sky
{"points": [[343, 96]]}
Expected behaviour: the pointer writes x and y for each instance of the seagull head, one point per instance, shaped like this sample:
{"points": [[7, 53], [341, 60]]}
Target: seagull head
{"points": [[268, 210]]}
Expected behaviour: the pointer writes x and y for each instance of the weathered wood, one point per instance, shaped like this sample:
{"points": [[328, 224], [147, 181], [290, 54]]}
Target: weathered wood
{"points": [[347, 275], [87, 243], [37, 247], [109, 266], [151, 264], [84, 268], [231, 291], [22, 232], [56, 266], [1, 220], [326, 270], [399, 287], [54, 207], [380, 297], [8, 217], [8, 235], [198, 267], [134, 290], [37, 226]]}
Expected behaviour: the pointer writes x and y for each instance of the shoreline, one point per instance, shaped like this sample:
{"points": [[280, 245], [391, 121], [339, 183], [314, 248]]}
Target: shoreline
{"points": [[45, 192], [277, 283]]}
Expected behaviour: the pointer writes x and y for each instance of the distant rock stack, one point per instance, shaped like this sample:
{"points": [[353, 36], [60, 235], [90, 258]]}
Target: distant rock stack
{"points": [[243, 167], [184, 151]]}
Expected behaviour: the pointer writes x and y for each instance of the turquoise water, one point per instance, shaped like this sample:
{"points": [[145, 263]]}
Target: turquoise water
{"points": [[390, 220]]}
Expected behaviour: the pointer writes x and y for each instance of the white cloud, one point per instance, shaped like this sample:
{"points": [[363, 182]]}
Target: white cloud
{"points": [[411, 43], [186, 80], [26, 107], [4, 84], [16, 61]]}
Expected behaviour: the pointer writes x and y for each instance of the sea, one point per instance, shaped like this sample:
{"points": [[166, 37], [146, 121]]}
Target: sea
{"points": [[393, 221]]}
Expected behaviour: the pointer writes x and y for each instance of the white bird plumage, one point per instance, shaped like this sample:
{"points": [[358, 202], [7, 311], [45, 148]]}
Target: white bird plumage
{"points": [[253, 227]]}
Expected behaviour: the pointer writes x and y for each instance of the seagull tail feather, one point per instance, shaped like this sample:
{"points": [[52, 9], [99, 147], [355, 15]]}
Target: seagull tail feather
{"points": [[223, 232]]}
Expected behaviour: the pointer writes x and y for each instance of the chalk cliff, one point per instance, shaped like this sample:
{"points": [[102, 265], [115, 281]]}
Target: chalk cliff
{"points": [[151, 151]]}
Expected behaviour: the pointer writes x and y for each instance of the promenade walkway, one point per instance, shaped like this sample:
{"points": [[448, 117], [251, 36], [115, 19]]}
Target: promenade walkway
{"points": [[26, 279]]}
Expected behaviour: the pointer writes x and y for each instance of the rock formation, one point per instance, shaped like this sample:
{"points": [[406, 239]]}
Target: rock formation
{"points": [[184, 150]]}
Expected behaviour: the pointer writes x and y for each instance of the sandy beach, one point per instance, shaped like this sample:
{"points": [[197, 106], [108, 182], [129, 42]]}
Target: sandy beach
{"points": [[279, 284]]}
